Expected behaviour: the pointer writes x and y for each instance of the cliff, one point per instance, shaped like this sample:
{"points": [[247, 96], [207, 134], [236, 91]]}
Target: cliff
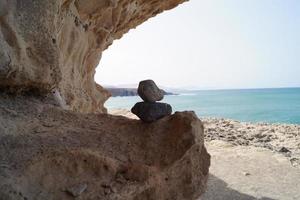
{"points": [[56, 140], [123, 92], [56, 45]]}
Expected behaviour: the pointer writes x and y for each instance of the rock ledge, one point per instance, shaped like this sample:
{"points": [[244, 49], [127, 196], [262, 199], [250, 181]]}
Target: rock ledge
{"points": [[44, 150]]}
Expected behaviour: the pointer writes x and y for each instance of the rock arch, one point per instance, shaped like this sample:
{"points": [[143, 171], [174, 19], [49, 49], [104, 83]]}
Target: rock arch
{"points": [[50, 49], [47, 45]]}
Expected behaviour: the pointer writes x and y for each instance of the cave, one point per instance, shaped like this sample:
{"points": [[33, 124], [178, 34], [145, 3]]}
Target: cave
{"points": [[56, 140]]}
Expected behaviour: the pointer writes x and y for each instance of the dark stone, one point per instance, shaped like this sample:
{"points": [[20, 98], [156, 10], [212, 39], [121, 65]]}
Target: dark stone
{"points": [[150, 112], [149, 91], [284, 150]]}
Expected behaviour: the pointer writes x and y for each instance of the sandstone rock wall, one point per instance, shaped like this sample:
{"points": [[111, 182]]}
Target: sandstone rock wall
{"points": [[48, 53], [55, 45], [45, 151]]}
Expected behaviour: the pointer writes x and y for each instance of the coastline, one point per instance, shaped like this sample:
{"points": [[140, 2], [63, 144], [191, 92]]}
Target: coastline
{"points": [[279, 138], [128, 92], [255, 105]]}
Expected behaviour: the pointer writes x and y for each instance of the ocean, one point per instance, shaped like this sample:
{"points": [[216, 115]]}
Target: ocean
{"points": [[247, 105]]}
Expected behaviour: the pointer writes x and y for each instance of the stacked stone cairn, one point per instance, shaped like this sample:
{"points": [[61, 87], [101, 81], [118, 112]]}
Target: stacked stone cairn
{"points": [[150, 110]]}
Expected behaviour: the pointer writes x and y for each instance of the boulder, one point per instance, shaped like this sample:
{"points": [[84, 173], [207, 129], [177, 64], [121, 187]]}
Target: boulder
{"points": [[46, 151], [149, 91], [150, 112]]}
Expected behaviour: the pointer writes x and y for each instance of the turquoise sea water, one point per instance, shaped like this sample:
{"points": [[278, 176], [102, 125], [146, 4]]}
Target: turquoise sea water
{"points": [[249, 105]]}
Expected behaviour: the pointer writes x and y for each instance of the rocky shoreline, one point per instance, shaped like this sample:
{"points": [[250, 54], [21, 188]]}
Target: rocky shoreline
{"points": [[279, 138]]}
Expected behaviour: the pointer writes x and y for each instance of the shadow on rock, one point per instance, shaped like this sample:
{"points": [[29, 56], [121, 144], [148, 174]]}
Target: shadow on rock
{"points": [[217, 189]]}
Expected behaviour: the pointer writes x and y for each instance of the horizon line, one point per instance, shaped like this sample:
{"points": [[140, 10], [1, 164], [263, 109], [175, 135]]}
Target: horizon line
{"points": [[199, 89]]}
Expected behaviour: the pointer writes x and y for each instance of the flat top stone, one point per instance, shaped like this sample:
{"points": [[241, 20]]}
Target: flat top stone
{"points": [[150, 112]]}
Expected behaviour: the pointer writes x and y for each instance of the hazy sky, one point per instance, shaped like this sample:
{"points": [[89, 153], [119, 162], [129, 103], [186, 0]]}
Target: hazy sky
{"points": [[211, 44]]}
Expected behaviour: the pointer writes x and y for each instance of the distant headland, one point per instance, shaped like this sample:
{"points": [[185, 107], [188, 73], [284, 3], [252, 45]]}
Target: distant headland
{"points": [[124, 92]]}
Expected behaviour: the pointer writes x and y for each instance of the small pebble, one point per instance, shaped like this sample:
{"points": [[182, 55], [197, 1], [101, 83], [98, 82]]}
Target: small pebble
{"points": [[284, 150], [246, 174], [76, 190]]}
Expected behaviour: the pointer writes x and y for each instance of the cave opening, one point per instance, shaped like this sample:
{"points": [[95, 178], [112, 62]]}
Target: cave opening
{"points": [[218, 56]]}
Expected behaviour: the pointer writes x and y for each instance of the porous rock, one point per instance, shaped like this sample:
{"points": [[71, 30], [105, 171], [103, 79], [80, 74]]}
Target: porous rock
{"points": [[49, 50], [44, 149], [149, 91], [57, 44], [150, 112]]}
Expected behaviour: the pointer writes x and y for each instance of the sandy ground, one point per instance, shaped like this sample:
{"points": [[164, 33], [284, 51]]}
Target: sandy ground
{"points": [[250, 160], [248, 172]]}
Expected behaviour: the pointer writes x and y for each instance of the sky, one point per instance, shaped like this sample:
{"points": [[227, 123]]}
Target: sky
{"points": [[210, 44]]}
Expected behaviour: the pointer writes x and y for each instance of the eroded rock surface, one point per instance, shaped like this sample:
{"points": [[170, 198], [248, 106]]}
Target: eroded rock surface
{"points": [[46, 150], [49, 147], [57, 44]]}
